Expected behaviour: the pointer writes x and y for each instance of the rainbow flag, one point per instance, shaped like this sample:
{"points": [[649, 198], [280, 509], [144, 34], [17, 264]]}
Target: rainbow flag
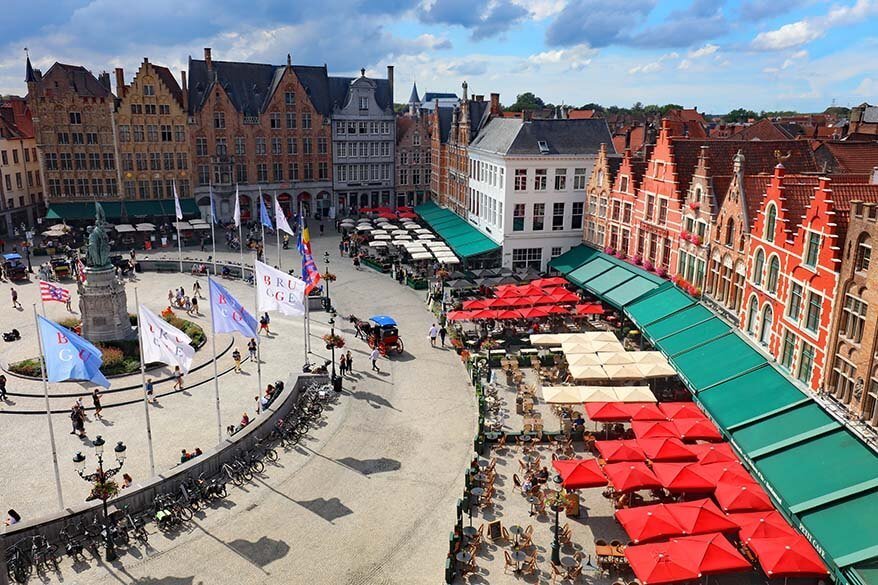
{"points": [[310, 273]]}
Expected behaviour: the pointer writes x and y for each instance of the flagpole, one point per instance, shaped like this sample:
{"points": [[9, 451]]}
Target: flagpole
{"points": [[212, 222], [306, 321], [143, 383], [258, 339], [262, 223], [277, 231], [49, 413], [219, 418], [240, 229]]}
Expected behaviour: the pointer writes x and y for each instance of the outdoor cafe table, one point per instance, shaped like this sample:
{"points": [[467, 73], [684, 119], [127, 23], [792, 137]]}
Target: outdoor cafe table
{"points": [[532, 500], [464, 557], [569, 562], [606, 550], [519, 557], [470, 531], [516, 531]]}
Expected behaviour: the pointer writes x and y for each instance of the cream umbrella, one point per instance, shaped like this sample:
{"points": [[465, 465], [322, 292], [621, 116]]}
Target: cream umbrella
{"points": [[587, 373], [571, 348], [648, 357], [561, 394], [634, 394], [583, 359], [614, 358], [622, 371], [648, 370], [597, 394]]}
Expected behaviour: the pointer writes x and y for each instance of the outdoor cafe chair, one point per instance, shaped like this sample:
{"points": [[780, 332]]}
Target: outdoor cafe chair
{"points": [[527, 537], [516, 484], [509, 563], [530, 565], [575, 574], [557, 573]]}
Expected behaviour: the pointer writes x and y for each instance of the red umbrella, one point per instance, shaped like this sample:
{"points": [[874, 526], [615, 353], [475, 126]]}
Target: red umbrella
{"points": [[737, 497], [652, 564], [713, 452], [607, 411], [554, 290], [630, 476], [646, 523], [709, 553], [385, 210], [645, 411], [557, 310], [726, 472], [407, 215], [518, 301], [533, 312], [700, 517], [666, 449], [654, 429], [765, 524], [676, 410], [508, 314], [542, 300], [697, 429], [387, 215], [478, 304], [551, 281], [612, 451], [460, 315], [483, 314], [579, 473], [404, 208], [590, 309], [682, 477], [565, 297], [367, 210], [788, 556]]}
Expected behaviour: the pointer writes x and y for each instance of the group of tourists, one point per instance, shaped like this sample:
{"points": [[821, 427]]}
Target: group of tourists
{"points": [[78, 416]]}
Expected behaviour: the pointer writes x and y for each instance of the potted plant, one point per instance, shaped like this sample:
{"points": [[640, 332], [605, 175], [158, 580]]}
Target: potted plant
{"points": [[331, 340], [609, 250], [695, 205], [465, 355], [457, 344], [662, 272], [329, 276], [697, 240], [620, 254], [648, 265], [638, 260]]}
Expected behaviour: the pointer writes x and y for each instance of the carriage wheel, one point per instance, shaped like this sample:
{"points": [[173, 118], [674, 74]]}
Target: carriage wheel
{"points": [[399, 346], [371, 342]]}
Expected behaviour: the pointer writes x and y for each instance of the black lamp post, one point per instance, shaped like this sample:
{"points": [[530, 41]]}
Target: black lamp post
{"points": [[557, 502], [336, 381], [328, 298], [99, 479], [26, 246]]}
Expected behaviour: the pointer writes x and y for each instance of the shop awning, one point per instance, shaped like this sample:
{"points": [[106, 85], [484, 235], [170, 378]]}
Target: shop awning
{"points": [[616, 281], [573, 258], [116, 209], [464, 239]]}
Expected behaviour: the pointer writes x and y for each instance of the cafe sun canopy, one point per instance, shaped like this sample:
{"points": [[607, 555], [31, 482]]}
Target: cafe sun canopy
{"points": [[645, 523], [607, 412], [713, 453], [683, 477], [579, 473], [623, 450], [697, 429], [685, 558], [764, 524], [649, 429], [788, 556], [666, 449], [678, 410], [701, 517], [735, 497], [630, 476]]}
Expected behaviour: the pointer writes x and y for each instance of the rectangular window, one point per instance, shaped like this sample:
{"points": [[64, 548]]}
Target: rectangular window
{"points": [[79, 161], [289, 98], [520, 179], [66, 161], [853, 318], [75, 118], [806, 362], [203, 174], [241, 173], [291, 120], [219, 120], [623, 184], [222, 148], [168, 160], [277, 171], [294, 171], [556, 251], [158, 188], [650, 206], [787, 350], [148, 90], [663, 211], [155, 161], [109, 161], [580, 178], [167, 135], [576, 218], [275, 145], [557, 216], [274, 120], [51, 159], [812, 316], [260, 145], [560, 179], [152, 133], [540, 179], [539, 216], [182, 161], [94, 161], [321, 145], [524, 258], [364, 103], [812, 249], [518, 217], [306, 145], [125, 133], [794, 307], [322, 170], [201, 146], [140, 159], [308, 171], [179, 133], [138, 133], [306, 120], [262, 173]]}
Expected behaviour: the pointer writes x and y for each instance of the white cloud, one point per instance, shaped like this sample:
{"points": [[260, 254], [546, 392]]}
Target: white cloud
{"points": [[540, 9], [654, 66], [868, 87], [804, 31], [703, 51], [575, 58]]}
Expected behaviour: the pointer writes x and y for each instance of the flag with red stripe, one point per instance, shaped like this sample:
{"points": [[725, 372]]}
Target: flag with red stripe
{"points": [[80, 269], [50, 292]]}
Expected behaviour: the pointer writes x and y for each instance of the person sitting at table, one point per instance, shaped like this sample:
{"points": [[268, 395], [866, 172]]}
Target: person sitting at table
{"points": [[528, 485], [542, 476], [578, 422]]}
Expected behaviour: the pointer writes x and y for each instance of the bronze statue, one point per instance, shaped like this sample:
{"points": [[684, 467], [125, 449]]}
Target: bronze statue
{"points": [[98, 254]]}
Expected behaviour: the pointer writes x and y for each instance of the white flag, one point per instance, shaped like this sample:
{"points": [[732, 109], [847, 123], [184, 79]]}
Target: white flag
{"points": [[177, 208], [162, 342], [279, 291], [280, 219], [237, 208]]}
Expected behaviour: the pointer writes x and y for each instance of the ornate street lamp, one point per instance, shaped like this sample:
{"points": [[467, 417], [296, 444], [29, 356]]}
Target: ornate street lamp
{"points": [[100, 479], [336, 380], [557, 502], [327, 279]]}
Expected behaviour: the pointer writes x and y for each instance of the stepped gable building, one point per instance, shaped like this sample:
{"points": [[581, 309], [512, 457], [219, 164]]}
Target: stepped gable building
{"points": [[257, 128], [21, 187], [73, 126], [363, 142], [614, 218], [413, 154], [796, 252], [597, 195], [454, 129], [151, 129]]}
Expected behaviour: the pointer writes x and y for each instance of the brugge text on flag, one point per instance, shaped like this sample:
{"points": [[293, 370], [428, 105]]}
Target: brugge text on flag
{"points": [[50, 292], [227, 313], [162, 342], [279, 291], [68, 356]]}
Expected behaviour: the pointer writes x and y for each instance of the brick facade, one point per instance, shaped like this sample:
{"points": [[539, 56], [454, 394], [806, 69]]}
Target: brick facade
{"points": [[414, 158], [21, 184]]}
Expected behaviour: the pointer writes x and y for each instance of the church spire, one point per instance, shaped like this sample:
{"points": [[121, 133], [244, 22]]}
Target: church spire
{"points": [[29, 70], [414, 99]]}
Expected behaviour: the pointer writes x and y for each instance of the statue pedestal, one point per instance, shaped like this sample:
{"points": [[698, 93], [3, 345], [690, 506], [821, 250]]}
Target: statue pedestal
{"points": [[104, 306]]}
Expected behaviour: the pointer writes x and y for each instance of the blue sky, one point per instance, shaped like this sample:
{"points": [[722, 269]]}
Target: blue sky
{"points": [[713, 54]]}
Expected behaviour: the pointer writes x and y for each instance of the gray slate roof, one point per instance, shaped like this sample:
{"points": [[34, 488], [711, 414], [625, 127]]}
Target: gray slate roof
{"points": [[433, 95], [414, 99], [445, 114], [514, 136]]}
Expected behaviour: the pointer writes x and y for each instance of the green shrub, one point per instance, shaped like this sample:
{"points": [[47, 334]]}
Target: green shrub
{"points": [[29, 367], [70, 322]]}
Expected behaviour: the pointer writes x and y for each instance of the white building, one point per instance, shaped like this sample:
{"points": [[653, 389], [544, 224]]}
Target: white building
{"points": [[527, 185]]}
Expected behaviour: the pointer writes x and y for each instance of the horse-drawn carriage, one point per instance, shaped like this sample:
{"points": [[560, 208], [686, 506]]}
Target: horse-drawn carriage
{"points": [[14, 267], [379, 331], [60, 267]]}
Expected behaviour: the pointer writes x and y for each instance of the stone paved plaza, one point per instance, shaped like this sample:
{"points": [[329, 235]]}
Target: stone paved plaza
{"points": [[368, 498]]}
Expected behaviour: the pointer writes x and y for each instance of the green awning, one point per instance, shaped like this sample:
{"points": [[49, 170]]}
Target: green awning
{"points": [[608, 280], [846, 530], [573, 258], [114, 209], [589, 270], [749, 396], [782, 427], [466, 240], [701, 333], [628, 291], [676, 322], [666, 300], [716, 361]]}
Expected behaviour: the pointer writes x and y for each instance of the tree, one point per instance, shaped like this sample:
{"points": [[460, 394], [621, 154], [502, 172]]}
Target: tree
{"points": [[526, 101], [592, 106], [740, 115]]}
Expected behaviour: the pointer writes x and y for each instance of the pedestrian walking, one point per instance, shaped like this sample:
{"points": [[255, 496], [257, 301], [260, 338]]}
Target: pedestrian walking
{"points": [[341, 248], [251, 346], [236, 355], [96, 401], [178, 378], [442, 333], [150, 389], [342, 366], [356, 262], [196, 290], [15, 303], [374, 357], [321, 228], [350, 361], [194, 307], [170, 298], [69, 303], [2, 387], [263, 326], [434, 332]]}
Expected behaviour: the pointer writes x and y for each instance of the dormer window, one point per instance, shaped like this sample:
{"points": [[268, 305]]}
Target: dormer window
{"points": [[364, 103], [544, 146]]}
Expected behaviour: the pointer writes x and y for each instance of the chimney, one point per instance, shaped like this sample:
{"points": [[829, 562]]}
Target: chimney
{"points": [[289, 60], [465, 92], [495, 105], [390, 81], [120, 82], [525, 115], [207, 59], [479, 98], [104, 79], [874, 179], [185, 89]]}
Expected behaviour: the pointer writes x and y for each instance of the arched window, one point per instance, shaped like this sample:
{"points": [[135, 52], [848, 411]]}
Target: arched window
{"points": [[864, 253], [758, 265], [600, 178], [770, 221], [773, 272], [698, 194], [751, 315], [765, 331], [730, 232]]}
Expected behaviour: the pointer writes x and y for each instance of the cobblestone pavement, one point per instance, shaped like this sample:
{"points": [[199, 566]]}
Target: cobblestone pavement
{"points": [[367, 499]]}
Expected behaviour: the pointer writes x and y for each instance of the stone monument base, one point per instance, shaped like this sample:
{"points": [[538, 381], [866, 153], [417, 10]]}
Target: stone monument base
{"points": [[104, 306]]}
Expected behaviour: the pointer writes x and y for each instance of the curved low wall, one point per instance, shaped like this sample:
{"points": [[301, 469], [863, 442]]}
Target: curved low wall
{"points": [[140, 496]]}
